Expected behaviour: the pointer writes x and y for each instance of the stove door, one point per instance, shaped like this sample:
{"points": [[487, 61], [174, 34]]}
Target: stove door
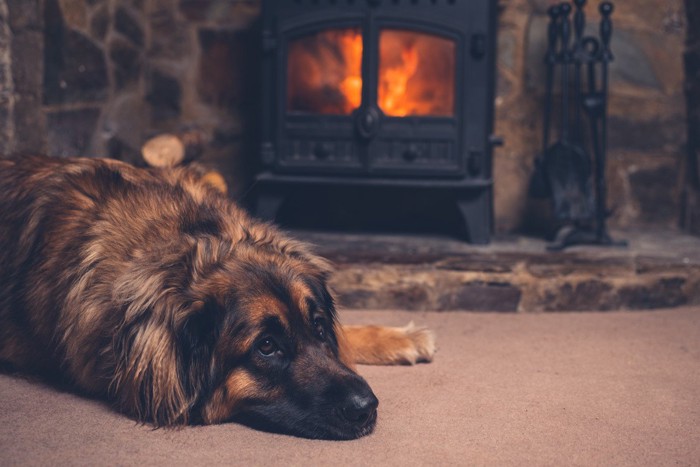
{"points": [[417, 95], [322, 91]]}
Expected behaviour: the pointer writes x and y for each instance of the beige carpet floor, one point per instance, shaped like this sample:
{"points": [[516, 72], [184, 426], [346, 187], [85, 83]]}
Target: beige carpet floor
{"points": [[617, 388]]}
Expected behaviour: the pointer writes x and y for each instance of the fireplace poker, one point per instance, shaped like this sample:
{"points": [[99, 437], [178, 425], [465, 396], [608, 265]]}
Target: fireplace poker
{"points": [[567, 165], [579, 23], [539, 186]]}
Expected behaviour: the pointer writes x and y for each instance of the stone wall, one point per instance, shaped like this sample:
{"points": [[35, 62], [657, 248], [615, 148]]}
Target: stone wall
{"points": [[691, 217], [115, 72], [22, 128], [7, 101]]}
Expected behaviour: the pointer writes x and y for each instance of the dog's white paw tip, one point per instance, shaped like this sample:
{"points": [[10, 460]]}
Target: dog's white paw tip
{"points": [[422, 344]]}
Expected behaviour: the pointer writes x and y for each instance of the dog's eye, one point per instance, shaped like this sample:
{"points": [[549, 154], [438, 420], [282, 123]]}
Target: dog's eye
{"points": [[267, 347], [320, 327]]}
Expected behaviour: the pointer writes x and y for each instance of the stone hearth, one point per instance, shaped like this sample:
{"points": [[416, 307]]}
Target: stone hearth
{"points": [[658, 269]]}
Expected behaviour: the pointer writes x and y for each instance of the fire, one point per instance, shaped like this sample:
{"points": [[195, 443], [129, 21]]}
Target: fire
{"points": [[393, 83], [415, 77], [351, 86], [324, 72], [416, 74]]}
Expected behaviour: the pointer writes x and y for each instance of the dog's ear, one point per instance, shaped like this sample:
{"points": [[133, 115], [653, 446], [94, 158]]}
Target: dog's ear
{"points": [[321, 267], [163, 365], [269, 237], [196, 340]]}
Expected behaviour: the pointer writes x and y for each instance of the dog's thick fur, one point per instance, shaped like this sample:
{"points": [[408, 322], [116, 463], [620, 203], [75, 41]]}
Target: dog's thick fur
{"points": [[154, 291]]}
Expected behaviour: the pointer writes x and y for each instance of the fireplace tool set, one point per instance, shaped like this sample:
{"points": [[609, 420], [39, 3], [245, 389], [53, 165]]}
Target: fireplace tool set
{"points": [[565, 171]]}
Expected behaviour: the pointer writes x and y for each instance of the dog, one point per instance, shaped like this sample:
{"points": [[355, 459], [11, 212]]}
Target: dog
{"points": [[150, 289]]}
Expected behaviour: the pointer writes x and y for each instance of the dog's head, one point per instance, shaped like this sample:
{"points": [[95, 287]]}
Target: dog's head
{"points": [[256, 341]]}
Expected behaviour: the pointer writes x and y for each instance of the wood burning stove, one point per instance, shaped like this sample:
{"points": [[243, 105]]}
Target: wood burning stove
{"points": [[379, 93]]}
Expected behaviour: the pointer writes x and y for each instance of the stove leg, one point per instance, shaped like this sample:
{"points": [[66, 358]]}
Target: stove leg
{"points": [[267, 205], [476, 217]]}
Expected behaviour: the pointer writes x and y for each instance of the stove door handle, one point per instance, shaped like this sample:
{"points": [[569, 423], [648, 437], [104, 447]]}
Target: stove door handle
{"points": [[367, 122], [495, 140]]}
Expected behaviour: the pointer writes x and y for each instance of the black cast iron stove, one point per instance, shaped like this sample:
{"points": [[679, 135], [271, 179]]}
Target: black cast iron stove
{"points": [[379, 93]]}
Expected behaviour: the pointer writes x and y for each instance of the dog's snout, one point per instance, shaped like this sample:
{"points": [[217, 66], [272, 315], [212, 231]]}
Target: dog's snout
{"points": [[360, 407]]}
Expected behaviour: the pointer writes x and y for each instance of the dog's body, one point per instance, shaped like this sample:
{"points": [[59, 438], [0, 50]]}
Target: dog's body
{"points": [[156, 292]]}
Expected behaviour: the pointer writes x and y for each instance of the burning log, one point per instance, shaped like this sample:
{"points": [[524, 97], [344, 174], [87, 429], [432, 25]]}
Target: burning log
{"points": [[169, 150]]}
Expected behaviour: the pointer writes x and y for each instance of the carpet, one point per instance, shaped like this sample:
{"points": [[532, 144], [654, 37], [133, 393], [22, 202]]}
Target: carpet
{"points": [[618, 388]]}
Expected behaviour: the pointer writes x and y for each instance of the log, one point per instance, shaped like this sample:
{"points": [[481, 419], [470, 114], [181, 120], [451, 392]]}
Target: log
{"points": [[215, 180], [169, 150]]}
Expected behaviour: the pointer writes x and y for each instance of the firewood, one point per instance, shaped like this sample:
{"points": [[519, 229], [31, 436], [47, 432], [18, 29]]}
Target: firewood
{"points": [[215, 180], [169, 150]]}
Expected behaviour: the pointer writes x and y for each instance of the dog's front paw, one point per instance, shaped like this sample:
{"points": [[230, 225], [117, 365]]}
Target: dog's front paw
{"points": [[382, 345], [419, 344]]}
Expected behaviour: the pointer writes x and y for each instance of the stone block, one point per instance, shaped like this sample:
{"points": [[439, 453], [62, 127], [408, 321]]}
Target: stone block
{"points": [[127, 25], [507, 45], [504, 86], [24, 14], [7, 130], [663, 293], [649, 136], [70, 131], [482, 296], [407, 297], [482, 263], [170, 37], [138, 5], [234, 14], [541, 6], [656, 194], [357, 298], [125, 119], [196, 10], [631, 65], [118, 149], [74, 13], [665, 265], [27, 73], [229, 67], [126, 62], [163, 93], [99, 23], [566, 264], [30, 125], [74, 66], [589, 294]]}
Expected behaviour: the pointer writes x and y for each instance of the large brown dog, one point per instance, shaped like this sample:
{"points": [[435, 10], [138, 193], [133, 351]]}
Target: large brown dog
{"points": [[154, 291]]}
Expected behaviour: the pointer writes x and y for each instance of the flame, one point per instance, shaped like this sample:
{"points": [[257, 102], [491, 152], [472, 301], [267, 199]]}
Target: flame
{"points": [[324, 73], [416, 74], [351, 86], [393, 82]]}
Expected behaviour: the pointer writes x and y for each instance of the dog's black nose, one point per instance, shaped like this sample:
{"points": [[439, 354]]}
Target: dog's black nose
{"points": [[359, 408]]}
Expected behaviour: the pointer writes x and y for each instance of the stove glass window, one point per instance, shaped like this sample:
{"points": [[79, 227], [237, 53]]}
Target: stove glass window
{"points": [[324, 72], [416, 74]]}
